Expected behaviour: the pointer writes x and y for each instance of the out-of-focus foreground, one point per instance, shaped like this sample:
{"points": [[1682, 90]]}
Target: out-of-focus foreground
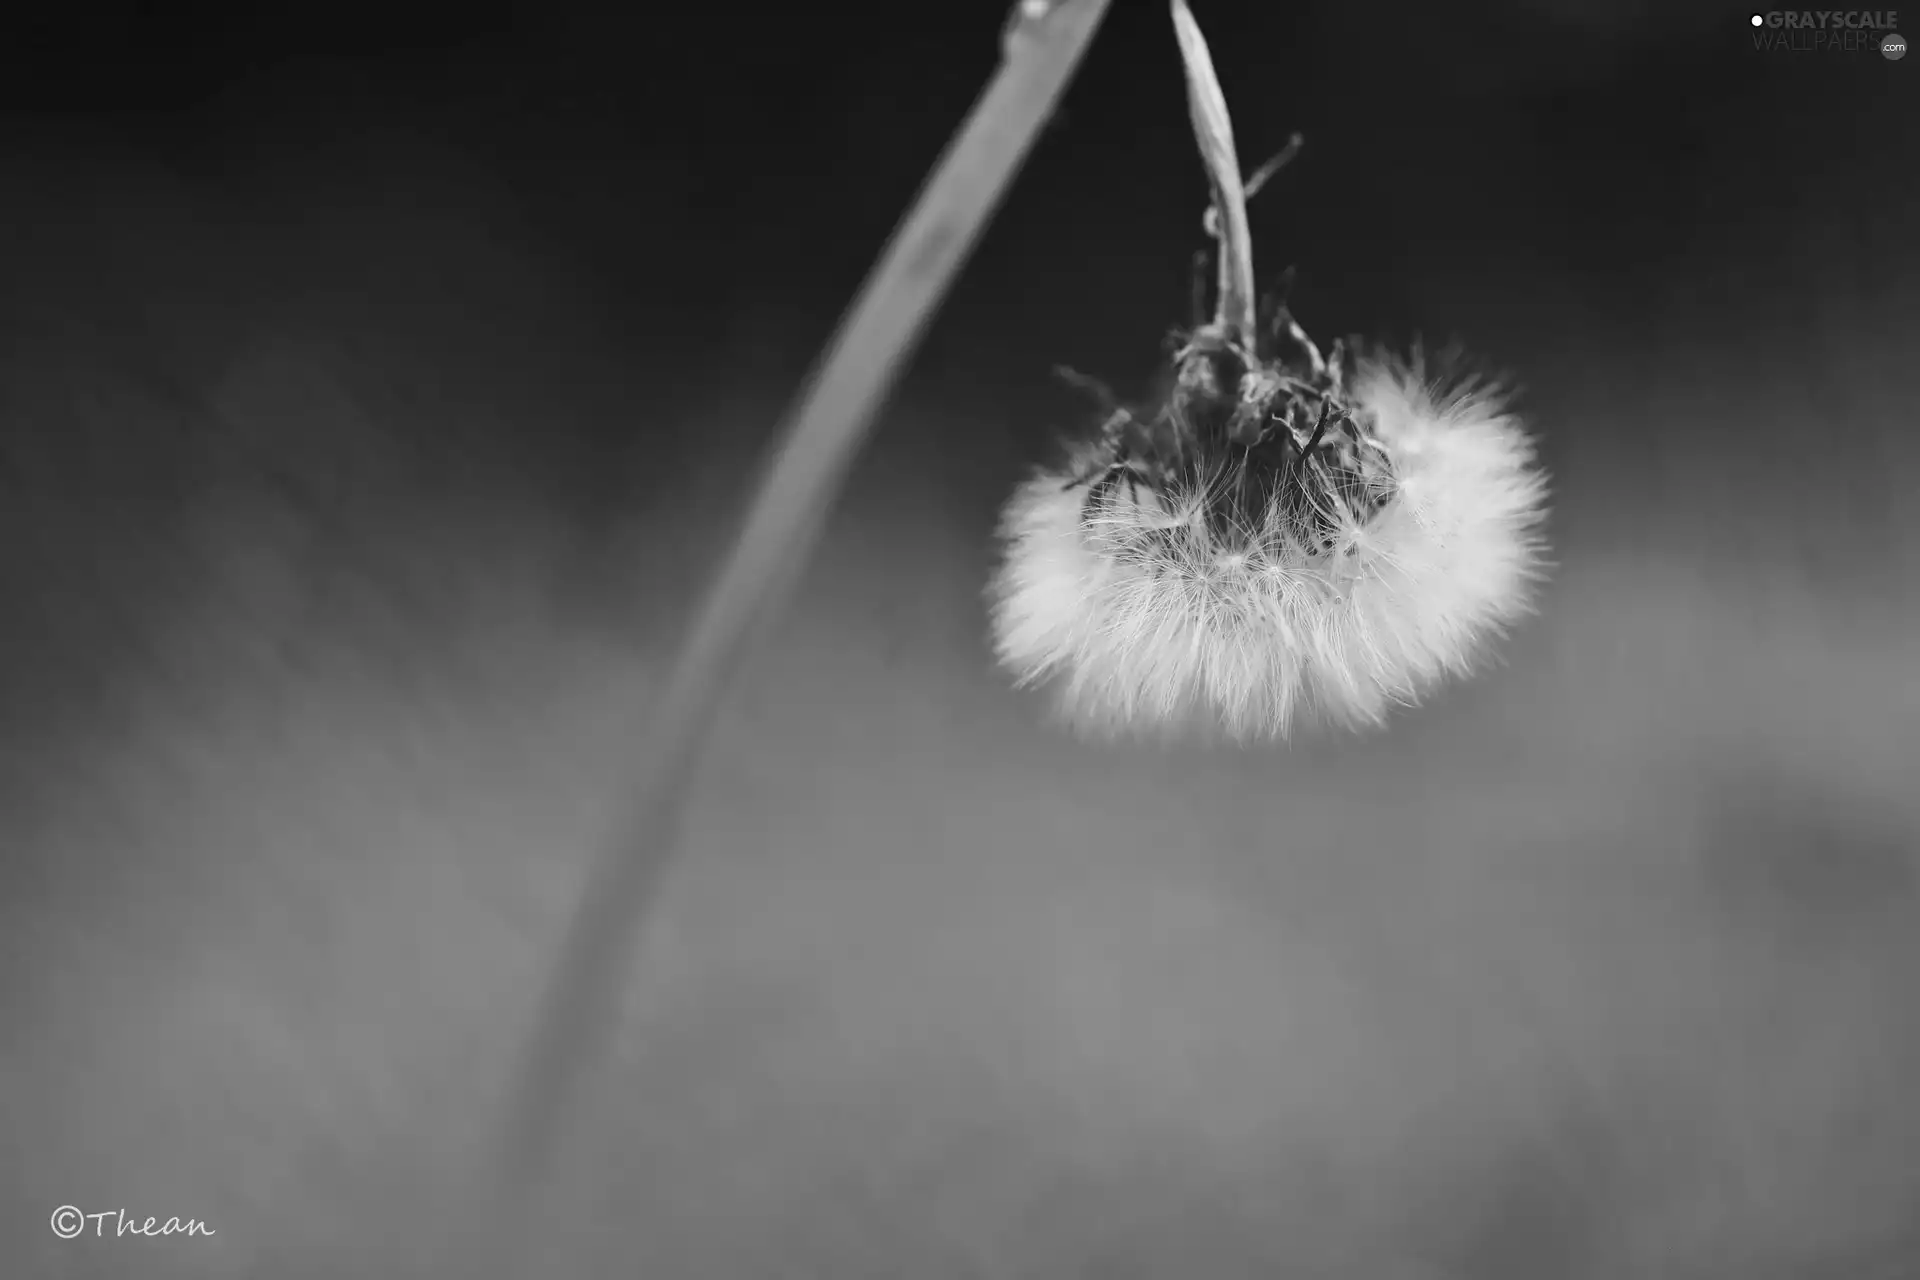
{"points": [[351, 494]]}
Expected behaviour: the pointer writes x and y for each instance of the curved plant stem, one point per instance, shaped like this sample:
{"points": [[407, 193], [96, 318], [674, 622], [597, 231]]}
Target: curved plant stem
{"points": [[1043, 44]]}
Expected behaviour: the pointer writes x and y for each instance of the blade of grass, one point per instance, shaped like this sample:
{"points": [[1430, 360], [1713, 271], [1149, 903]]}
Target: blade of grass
{"points": [[1043, 45]]}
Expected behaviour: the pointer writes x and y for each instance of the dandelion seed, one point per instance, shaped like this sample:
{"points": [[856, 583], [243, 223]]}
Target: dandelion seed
{"points": [[1286, 537]]}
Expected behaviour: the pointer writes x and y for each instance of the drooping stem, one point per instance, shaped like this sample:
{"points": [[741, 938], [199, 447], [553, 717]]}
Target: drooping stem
{"points": [[1234, 304]]}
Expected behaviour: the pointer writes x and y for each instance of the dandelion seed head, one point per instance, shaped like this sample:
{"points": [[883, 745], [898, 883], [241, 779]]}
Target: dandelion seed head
{"points": [[1198, 576], [1280, 539]]}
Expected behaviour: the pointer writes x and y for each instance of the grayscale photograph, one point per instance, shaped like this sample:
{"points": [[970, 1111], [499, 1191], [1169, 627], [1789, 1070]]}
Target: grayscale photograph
{"points": [[1093, 640]]}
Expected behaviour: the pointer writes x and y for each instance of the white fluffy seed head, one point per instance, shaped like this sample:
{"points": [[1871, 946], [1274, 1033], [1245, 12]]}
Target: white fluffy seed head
{"points": [[1140, 619]]}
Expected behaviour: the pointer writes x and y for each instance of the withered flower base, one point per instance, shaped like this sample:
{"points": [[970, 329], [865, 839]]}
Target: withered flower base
{"points": [[1285, 537]]}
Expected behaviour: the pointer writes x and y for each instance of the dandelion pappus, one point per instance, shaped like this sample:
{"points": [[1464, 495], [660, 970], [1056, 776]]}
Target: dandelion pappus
{"points": [[1316, 545]]}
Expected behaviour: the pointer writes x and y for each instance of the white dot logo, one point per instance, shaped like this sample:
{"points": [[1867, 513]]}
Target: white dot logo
{"points": [[1756, 20]]}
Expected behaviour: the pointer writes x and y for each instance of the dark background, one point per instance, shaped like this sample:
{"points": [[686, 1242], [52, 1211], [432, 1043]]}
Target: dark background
{"points": [[376, 384], [722, 176]]}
